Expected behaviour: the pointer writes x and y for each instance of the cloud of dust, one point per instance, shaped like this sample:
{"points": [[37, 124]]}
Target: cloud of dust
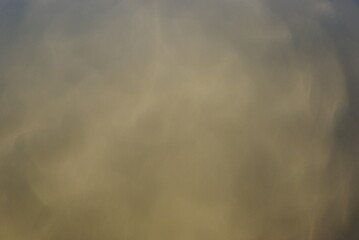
{"points": [[183, 120]]}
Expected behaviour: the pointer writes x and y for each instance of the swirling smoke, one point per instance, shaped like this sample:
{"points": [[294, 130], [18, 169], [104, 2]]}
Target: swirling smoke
{"points": [[181, 120]]}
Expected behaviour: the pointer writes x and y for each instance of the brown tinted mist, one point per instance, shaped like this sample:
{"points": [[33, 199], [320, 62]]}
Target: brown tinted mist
{"points": [[188, 120]]}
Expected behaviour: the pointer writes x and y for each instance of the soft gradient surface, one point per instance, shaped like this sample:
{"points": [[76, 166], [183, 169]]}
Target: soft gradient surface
{"points": [[179, 120]]}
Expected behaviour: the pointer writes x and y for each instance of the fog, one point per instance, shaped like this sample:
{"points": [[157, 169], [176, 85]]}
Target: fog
{"points": [[182, 120]]}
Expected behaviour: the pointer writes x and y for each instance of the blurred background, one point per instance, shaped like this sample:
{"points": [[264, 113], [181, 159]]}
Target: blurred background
{"points": [[178, 119]]}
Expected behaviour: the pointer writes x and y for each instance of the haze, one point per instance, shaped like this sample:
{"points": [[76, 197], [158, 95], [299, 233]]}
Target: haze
{"points": [[179, 120]]}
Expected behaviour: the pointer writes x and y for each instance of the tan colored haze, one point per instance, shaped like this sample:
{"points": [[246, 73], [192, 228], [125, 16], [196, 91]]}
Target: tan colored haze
{"points": [[179, 119]]}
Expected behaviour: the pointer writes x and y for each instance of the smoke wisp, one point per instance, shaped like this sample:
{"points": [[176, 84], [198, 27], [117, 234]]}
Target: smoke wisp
{"points": [[183, 120]]}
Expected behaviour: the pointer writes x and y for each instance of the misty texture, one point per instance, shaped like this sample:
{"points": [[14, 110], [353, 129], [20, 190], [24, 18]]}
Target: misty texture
{"points": [[181, 120]]}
